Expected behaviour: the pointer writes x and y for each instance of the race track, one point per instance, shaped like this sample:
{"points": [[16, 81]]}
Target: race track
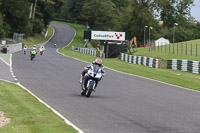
{"points": [[122, 103]]}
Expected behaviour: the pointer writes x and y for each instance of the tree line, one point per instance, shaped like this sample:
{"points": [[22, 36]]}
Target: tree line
{"points": [[130, 16], [26, 16]]}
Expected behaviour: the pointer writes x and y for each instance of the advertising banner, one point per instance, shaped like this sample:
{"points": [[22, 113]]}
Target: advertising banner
{"points": [[107, 35]]}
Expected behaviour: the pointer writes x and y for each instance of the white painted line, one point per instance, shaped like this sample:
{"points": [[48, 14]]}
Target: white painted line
{"points": [[6, 81], [11, 61]]}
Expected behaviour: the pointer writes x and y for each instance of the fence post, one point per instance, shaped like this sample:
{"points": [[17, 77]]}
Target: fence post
{"points": [[177, 48], [186, 48], [149, 45], [181, 48], [196, 49], [191, 49], [154, 45]]}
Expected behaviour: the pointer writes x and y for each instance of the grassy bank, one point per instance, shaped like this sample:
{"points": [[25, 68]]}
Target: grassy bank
{"points": [[38, 39], [160, 51], [27, 114], [5, 57], [184, 79]]}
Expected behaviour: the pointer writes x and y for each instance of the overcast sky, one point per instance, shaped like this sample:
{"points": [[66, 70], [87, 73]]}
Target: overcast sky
{"points": [[195, 11]]}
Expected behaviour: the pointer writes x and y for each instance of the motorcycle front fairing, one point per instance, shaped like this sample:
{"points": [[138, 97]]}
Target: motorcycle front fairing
{"points": [[94, 74]]}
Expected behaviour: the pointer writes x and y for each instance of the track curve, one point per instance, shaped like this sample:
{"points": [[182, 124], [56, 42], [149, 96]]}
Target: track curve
{"points": [[122, 103]]}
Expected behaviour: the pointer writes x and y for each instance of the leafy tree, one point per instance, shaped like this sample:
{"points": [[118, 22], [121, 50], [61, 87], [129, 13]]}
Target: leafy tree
{"points": [[171, 8], [100, 15], [1, 26], [72, 9], [57, 6], [135, 17], [4, 27], [45, 10], [38, 26], [16, 14]]}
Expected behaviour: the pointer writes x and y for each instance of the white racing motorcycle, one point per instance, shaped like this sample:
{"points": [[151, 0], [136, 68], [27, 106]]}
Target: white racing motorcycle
{"points": [[94, 75]]}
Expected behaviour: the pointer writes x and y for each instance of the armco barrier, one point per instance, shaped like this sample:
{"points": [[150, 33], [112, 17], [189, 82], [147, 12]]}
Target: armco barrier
{"points": [[12, 48], [184, 65], [142, 60], [89, 51]]}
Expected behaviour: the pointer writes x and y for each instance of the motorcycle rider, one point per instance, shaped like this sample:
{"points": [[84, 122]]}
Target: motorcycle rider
{"points": [[98, 62], [42, 49], [25, 49], [34, 49]]}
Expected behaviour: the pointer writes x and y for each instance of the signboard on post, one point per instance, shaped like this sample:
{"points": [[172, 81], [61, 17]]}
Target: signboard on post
{"points": [[108, 35]]}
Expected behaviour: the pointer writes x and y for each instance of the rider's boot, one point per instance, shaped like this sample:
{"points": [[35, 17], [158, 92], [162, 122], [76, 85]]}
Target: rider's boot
{"points": [[81, 79]]}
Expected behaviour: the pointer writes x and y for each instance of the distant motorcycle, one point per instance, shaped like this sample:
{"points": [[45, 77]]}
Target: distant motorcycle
{"points": [[33, 54], [41, 52], [94, 75]]}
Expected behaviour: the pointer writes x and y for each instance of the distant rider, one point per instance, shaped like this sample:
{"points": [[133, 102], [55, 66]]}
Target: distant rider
{"points": [[42, 49], [25, 49], [98, 62], [34, 49]]}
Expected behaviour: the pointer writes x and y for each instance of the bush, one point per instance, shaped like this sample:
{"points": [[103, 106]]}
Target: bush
{"points": [[4, 28], [94, 43], [38, 26]]}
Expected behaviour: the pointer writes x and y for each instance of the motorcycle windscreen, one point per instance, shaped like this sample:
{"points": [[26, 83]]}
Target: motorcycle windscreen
{"points": [[33, 52], [95, 68]]}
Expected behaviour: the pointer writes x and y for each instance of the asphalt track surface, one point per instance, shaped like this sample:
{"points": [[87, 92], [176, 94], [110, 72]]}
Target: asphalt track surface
{"points": [[122, 103]]}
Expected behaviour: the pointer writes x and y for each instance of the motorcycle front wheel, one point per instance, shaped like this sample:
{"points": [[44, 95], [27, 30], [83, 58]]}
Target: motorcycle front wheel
{"points": [[89, 89], [32, 56]]}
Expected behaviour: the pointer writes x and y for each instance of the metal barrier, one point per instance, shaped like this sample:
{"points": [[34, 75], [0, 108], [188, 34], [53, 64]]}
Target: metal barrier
{"points": [[141, 60], [184, 65], [89, 51]]}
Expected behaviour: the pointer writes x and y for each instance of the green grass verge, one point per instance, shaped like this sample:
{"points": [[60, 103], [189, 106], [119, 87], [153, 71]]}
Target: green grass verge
{"points": [[162, 52], [5, 57], [184, 79], [79, 34], [38, 39], [27, 114]]}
